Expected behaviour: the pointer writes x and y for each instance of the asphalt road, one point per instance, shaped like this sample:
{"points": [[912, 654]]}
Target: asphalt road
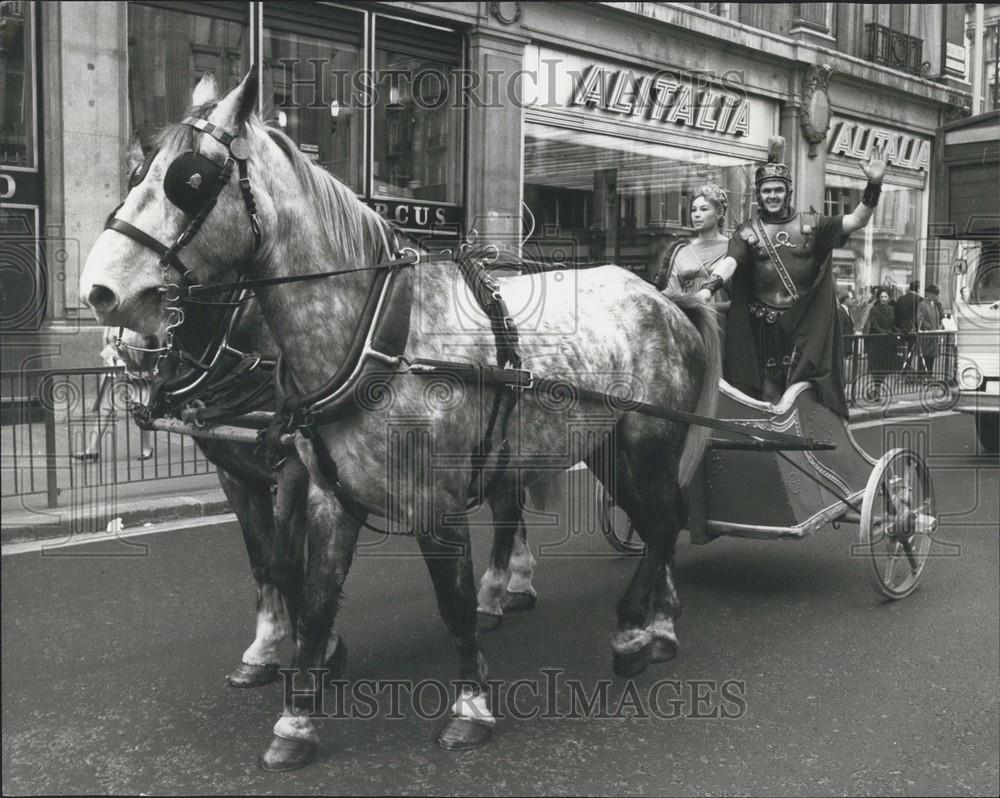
{"points": [[113, 669]]}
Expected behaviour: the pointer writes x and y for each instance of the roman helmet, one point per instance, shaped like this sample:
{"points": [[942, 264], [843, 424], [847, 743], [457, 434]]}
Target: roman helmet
{"points": [[774, 169]]}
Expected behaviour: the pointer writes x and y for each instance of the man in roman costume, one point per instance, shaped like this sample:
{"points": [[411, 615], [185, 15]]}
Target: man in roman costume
{"points": [[783, 325]]}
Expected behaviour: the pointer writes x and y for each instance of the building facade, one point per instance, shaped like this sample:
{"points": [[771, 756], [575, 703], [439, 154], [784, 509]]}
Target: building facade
{"points": [[576, 132]]}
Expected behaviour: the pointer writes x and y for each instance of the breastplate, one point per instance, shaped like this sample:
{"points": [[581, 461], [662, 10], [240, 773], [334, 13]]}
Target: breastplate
{"points": [[793, 241]]}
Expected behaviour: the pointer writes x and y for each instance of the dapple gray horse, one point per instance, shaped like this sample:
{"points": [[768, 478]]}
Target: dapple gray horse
{"points": [[598, 330]]}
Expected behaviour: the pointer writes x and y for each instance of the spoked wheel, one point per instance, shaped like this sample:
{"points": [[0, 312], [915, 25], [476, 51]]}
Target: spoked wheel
{"points": [[898, 520], [616, 525]]}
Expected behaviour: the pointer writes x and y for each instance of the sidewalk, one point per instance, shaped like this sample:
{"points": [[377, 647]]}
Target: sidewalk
{"points": [[88, 508]]}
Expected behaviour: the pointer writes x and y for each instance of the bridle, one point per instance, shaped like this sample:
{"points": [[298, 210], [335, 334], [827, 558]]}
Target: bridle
{"points": [[193, 183]]}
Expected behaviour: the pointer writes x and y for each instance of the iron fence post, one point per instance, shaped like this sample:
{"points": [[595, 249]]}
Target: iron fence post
{"points": [[51, 477]]}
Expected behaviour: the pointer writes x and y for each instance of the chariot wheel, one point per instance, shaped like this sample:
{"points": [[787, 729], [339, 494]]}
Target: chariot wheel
{"points": [[616, 525], [898, 521]]}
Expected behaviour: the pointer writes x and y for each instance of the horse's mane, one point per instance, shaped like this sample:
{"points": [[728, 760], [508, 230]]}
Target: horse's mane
{"points": [[353, 229]]}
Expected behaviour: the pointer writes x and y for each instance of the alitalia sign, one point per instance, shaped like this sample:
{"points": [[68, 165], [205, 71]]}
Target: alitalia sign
{"points": [[666, 98], [858, 140]]}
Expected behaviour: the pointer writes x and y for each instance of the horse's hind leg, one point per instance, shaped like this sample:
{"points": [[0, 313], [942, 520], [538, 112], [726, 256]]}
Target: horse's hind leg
{"points": [[510, 560], [447, 553], [666, 610], [331, 535], [666, 602], [521, 594], [652, 508]]}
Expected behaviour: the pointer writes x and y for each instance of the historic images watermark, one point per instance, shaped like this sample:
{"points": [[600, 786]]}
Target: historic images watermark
{"points": [[549, 696], [663, 95]]}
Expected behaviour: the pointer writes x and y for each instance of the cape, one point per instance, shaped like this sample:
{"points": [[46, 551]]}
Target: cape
{"points": [[812, 323]]}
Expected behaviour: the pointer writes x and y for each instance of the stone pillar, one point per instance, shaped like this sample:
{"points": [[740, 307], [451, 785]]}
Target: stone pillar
{"points": [[808, 174], [493, 179], [810, 22], [94, 124]]}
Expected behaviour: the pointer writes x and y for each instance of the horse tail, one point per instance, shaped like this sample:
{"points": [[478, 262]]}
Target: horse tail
{"points": [[705, 319]]}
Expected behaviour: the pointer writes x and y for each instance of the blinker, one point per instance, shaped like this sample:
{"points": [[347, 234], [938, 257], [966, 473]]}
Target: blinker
{"points": [[190, 180]]}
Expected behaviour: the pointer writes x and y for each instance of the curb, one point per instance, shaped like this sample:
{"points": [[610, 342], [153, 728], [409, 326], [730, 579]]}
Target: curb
{"points": [[23, 526]]}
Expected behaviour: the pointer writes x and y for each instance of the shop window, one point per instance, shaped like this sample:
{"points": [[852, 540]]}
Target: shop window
{"points": [[23, 277], [605, 199], [170, 47], [418, 133], [17, 134], [310, 58]]}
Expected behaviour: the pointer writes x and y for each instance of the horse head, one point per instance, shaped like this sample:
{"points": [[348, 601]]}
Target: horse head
{"points": [[185, 200]]}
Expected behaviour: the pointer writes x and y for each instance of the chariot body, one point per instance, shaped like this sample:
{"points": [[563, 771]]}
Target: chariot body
{"points": [[768, 489]]}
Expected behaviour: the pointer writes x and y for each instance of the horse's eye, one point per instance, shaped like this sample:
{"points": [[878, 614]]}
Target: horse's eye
{"points": [[190, 180], [139, 173]]}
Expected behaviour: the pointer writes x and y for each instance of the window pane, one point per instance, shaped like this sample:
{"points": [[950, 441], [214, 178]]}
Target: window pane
{"points": [[418, 125], [17, 134], [307, 90], [169, 51], [619, 201]]}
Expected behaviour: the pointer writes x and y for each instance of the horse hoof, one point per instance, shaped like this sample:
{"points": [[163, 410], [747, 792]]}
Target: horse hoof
{"points": [[464, 734], [519, 602], [336, 665], [487, 622], [664, 649], [283, 755], [247, 675], [631, 663]]}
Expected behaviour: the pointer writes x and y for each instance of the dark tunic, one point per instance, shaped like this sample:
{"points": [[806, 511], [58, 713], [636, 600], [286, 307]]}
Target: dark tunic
{"points": [[811, 323]]}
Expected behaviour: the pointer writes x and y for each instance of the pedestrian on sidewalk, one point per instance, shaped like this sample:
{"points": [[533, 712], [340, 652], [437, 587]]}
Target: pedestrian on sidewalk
{"points": [[116, 388], [930, 315], [881, 325]]}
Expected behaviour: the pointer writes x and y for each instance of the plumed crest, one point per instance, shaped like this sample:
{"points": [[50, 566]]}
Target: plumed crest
{"points": [[776, 149], [775, 168]]}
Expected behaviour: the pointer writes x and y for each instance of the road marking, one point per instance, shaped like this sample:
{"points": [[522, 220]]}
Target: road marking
{"points": [[53, 544]]}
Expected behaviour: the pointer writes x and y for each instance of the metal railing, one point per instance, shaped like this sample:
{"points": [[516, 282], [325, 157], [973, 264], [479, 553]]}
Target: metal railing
{"points": [[68, 429], [895, 49], [49, 416], [882, 367]]}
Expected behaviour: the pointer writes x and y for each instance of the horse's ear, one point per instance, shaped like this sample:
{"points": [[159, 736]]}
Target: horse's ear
{"points": [[134, 155], [207, 91], [237, 106]]}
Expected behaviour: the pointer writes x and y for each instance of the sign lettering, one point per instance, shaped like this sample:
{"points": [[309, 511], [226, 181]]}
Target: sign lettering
{"points": [[412, 215], [661, 98], [858, 140]]}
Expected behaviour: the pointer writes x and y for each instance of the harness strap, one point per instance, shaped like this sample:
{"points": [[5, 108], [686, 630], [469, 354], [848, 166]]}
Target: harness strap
{"points": [[524, 379], [408, 260], [169, 254]]}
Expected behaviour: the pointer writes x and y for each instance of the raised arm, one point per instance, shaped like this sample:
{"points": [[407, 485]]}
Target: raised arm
{"points": [[874, 170]]}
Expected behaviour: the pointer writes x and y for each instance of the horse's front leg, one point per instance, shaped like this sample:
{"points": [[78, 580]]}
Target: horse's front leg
{"points": [[331, 533], [251, 502], [447, 552]]}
